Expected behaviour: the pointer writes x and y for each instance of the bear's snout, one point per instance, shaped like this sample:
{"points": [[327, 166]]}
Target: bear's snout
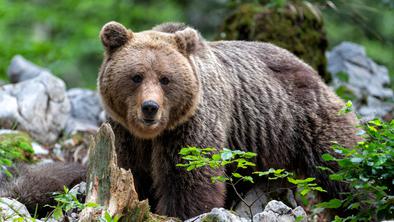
{"points": [[149, 109]]}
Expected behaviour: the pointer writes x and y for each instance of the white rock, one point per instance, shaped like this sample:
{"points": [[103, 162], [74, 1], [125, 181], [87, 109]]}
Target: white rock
{"points": [[85, 111], [8, 131], [367, 80], [276, 211], [38, 105], [21, 69], [218, 215], [38, 149], [256, 195], [11, 209]]}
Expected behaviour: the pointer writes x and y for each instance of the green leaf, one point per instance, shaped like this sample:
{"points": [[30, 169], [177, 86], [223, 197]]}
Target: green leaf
{"points": [[343, 76], [219, 178], [332, 204], [249, 155], [336, 177], [291, 180], [307, 180], [305, 191], [373, 129], [19, 219], [216, 157], [354, 206], [107, 216], [92, 205], [320, 189], [327, 157], [376, 122], [191, 167], [299, 218], [248, 178], [209, 149], [323, 168], [237, 175], [58, 213], [184, 151]]}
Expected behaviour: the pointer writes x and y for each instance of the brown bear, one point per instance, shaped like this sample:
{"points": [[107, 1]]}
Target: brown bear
{"points": [[168, 88]]}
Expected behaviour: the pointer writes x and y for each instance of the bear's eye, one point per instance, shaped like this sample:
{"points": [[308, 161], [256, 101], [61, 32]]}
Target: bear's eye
{"points": [[164, 81], [137, 78]]}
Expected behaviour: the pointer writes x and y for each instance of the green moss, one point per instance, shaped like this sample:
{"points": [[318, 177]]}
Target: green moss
{"points": [[14, 146], [210, 218], [297, 27]]}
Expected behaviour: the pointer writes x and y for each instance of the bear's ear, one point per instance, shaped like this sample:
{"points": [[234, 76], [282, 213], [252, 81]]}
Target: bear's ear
{"points": [[187, 40], [113, 35]]}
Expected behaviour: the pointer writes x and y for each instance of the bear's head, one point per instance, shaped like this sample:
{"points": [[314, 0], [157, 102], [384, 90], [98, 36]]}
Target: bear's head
{"points": [[147, 80]]}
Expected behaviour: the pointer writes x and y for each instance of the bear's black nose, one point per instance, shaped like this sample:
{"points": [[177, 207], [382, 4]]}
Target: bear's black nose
{"points": [[149, 108]]}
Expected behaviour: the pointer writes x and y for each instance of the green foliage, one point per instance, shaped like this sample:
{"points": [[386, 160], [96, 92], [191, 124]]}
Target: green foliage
{"points": [[67, 201], [368, 168], [209, 157], [345, 93], [62, 35], [13, 146], [106, 217], [347, 108], [201, 157]]}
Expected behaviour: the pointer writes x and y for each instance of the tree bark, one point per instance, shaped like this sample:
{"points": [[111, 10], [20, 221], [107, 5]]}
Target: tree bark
{"points": [[110, 186]]}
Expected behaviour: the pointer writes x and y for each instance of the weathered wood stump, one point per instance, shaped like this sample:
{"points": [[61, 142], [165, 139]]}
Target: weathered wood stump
{"points": [[110, 186]]}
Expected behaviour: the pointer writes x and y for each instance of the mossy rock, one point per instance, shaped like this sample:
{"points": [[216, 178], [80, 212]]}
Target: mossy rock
{"points": [[297, 27], [15, 145]]}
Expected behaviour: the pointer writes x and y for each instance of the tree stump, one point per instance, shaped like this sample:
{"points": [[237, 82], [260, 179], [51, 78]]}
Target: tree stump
{"points": [[110, 186]]}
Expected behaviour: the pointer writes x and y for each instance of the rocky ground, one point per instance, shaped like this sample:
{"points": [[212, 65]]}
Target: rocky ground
{"points": [[60, 121]]}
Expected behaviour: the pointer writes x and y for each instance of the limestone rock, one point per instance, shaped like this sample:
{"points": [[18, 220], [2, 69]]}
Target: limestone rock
{"points": [[85, 110], [218, 215], [256, 195], [11, 209], [260, 195], [356, 77], [38, 105], [21, 69], [276, 211]]}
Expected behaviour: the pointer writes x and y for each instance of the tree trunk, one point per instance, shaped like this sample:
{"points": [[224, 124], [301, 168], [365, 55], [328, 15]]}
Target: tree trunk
{"points": [[110, 186]]}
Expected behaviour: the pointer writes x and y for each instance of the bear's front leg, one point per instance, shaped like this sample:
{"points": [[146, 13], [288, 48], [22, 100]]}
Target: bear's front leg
{"points": [[181, 193]]}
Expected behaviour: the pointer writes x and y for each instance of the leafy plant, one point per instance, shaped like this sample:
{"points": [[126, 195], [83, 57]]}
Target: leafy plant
{"points": [[106, 217], [13, 146], [210, 157], [67, 201], [368, 168]]}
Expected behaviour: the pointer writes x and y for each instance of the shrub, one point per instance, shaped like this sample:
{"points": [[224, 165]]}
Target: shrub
{"points": [[368, 168], [209, 157]]}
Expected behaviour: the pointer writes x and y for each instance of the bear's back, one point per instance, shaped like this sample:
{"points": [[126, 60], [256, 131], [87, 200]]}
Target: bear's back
{"points": [[280, 107]]}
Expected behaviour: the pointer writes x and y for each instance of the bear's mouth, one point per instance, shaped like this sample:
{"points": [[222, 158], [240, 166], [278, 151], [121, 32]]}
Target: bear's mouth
{"points": [[149, 122]]}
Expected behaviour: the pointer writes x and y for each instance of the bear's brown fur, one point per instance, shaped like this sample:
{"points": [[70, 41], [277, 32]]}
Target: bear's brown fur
{"points": [[34, 185], [244, 95]]}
